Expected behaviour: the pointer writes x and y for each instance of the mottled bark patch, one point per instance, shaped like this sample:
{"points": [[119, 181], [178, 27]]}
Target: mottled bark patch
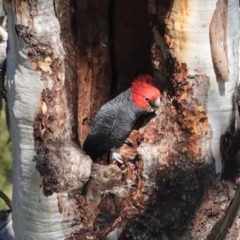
{"points": [[191, 106], [214, 207]]}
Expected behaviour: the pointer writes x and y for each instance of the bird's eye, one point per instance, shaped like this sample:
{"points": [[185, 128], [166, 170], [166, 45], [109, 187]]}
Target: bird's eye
{"points": [[147, 99]]}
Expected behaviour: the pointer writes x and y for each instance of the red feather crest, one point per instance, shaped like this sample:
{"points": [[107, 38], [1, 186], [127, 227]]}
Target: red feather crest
{"points": [[143, 91]]}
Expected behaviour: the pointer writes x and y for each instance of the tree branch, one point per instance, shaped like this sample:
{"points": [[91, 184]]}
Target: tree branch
{"points": [[6, 199]]}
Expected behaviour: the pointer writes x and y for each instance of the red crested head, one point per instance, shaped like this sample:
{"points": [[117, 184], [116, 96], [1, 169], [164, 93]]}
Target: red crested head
{"points": [[144, 95]]}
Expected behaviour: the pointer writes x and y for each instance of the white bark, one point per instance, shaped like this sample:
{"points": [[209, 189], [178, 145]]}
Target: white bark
{"points": [[190, 27], [35, 216]]}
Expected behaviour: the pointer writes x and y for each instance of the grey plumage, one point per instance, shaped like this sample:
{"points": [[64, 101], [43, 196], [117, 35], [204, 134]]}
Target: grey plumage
{"points": [[112, 125]]}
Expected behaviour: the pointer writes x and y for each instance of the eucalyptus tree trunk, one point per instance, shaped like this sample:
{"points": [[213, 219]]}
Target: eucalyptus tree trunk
{"points": [[179, 179]]}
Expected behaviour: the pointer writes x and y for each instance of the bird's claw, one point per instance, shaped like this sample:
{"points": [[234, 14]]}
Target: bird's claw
{"points": [[129, 142], [117, 157]]}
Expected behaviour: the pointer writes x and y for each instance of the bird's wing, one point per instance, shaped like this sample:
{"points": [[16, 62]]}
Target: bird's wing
{"points": [[101, 127]]}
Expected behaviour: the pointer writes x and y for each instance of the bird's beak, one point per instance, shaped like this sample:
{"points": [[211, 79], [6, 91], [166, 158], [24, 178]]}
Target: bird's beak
{"points": [[157, 103], [154, 105]]}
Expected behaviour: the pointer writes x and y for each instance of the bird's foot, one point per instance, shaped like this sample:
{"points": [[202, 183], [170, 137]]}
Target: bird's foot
{"points": [[129, 142], [116, 156]]}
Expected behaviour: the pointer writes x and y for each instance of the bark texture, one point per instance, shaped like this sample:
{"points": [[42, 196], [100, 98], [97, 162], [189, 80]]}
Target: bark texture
{"points": [[93, 62], [41, 126]]}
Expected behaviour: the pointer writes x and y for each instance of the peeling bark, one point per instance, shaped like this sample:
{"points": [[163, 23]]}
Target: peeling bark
{"points": [[218, 40]]}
